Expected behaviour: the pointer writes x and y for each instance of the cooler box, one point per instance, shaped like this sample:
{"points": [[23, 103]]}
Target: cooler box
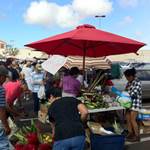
{"points": [[107, 142], [143, 116]]}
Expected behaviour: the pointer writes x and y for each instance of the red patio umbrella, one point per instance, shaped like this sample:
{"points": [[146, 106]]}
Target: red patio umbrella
{"points": [[86, 40]]}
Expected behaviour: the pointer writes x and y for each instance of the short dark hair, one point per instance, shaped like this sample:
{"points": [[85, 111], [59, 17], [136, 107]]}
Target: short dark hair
{"points": [[56, 92], [74, 71], [3, 71], [130, 72], [15, 74], [9, 61]]}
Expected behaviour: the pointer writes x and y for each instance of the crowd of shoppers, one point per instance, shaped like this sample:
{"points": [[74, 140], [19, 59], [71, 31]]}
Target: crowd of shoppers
{"points": [[66, 114], [19, 79]]}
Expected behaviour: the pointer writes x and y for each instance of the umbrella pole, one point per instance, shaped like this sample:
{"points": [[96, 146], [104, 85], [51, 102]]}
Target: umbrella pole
{"points": [[84, 54]]}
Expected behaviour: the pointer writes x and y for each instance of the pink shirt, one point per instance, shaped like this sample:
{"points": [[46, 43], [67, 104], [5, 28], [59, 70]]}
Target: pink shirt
{"points": [[13, 90]]}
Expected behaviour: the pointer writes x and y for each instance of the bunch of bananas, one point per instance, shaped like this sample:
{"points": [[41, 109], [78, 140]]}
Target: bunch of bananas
{"points": [[47, 139]]}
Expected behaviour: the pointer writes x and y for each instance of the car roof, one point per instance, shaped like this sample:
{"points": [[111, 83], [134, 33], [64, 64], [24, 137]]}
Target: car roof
{"points": [[138, 66]]}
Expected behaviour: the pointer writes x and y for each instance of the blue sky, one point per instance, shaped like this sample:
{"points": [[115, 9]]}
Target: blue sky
{"points": [[24, 21]]}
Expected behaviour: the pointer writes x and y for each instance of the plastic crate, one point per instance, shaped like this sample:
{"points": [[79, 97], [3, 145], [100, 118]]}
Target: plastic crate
{"points": [[107, 142]]}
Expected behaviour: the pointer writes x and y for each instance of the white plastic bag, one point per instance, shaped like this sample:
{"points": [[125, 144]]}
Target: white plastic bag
{"points": [[124, 100], [41, 92], [13, 127]]}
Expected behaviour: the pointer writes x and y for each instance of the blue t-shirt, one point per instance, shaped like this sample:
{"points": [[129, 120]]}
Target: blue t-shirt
{"points": [[36, 79]]}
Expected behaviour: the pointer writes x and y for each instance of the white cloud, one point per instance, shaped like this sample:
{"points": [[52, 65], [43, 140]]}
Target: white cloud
{"points": [[66, 17], [92, 7], [41, 13], [50, 14], [126, 20], [126, 3]]}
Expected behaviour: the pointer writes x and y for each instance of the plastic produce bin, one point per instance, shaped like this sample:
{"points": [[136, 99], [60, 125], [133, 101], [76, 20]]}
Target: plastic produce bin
{"points": [[107, 142]]}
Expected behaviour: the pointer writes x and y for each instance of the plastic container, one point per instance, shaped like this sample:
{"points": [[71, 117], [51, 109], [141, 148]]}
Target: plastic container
{"points": [[107, 142], [142, 117]]}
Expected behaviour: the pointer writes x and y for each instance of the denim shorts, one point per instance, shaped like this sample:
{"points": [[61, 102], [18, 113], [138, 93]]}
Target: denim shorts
{"points": [[4, 142]]}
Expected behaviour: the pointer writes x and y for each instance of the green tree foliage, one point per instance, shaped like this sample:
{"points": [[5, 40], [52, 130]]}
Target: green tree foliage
{"points": [[11, 51]]}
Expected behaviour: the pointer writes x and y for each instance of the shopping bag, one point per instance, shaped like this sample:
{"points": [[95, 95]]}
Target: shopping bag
{"points": [[13, 127], [41, 92], [123, 98]]}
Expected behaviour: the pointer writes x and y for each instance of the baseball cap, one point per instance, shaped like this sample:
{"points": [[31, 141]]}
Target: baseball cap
{"points": [[3, 71]]}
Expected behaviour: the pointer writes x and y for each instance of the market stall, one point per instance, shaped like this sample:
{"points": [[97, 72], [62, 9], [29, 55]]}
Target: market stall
{"points": [[106, 109], [84, 41]]}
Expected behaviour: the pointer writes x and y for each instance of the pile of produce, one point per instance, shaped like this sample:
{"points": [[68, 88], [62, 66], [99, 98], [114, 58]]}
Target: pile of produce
{"points": [[117, 128], [29, 139], [94, 101]]}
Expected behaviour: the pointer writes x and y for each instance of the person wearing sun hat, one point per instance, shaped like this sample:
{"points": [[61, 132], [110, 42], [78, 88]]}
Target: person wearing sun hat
{"points": [[37, 81], [4, 126]]}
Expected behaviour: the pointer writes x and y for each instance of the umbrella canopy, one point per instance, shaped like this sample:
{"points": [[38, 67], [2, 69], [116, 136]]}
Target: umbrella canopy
{"points": [[90, 62], [86, 40]]}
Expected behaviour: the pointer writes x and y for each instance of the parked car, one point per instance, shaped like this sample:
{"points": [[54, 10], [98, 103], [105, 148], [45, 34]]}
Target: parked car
{"points": [[143, 73]]}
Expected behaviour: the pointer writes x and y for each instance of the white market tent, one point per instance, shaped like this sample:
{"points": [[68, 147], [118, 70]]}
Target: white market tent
{"points": [[27, 53], [141, 56]]}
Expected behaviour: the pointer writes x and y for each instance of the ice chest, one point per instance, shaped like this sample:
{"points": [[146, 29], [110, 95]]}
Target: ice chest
{"points": [[142, 116], [107, 142]]}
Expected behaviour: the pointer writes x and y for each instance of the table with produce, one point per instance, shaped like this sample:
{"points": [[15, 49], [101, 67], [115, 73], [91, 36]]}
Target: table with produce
{"points": [[103, 127], [96, 102]]}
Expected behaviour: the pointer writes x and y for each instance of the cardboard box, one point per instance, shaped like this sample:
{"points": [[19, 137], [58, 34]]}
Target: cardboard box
{"points": [[94, 127], [146, 123]]}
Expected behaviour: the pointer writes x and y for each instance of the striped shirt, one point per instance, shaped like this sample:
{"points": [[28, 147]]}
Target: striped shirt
{"points": [[37, 78], [2, 97]]}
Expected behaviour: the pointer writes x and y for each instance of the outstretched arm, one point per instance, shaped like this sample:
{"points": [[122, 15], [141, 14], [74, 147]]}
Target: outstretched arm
{"points": [[83, 111]]}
